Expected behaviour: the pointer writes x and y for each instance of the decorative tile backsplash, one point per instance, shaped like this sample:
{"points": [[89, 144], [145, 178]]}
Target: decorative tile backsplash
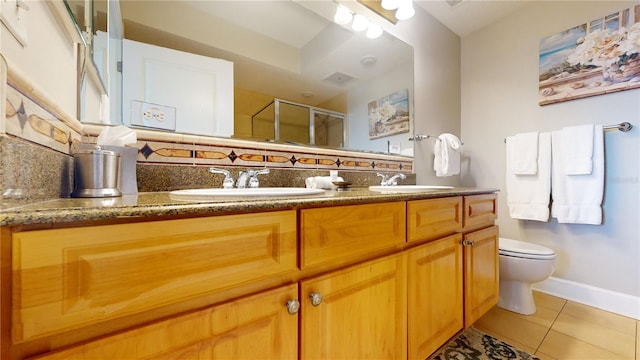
{"points": [[30, 121]]}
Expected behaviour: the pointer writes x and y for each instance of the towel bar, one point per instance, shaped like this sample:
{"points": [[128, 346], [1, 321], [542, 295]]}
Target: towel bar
{"points": [[624, 127]]}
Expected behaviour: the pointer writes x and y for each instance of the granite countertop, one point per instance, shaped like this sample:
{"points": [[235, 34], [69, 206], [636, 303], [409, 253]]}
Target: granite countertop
{"points": [[160, 204]]}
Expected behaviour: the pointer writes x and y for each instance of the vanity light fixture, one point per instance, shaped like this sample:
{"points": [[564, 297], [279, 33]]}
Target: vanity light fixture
{"points": [[405, 10], [374, 31], [360, 23], [390, 4], [343, 15]]}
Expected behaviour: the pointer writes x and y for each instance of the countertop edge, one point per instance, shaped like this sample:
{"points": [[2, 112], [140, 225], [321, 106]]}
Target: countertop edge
{"points": [[149, 205]]}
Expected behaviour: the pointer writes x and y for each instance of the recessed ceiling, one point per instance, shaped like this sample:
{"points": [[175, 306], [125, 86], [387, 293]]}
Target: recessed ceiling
{"points": [[468, 16]]}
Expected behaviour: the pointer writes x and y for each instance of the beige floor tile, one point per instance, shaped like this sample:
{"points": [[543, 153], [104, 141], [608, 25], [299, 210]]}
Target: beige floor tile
{"points": [[564, 347], [511, 325], [507, 339], [597, 335], [548, 301], [609, 320]]}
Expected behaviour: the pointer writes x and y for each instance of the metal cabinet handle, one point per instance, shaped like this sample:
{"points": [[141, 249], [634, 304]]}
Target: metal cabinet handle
{"points": [[468, 243], [316, 298], [293, 306]]}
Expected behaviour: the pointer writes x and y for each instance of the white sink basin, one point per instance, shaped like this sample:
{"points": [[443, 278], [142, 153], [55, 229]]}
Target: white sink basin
{"points": [[212, 194], [408, 188]]}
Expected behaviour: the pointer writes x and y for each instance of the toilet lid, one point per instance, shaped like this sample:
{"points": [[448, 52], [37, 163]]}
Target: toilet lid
{"points": [[524, 249]]}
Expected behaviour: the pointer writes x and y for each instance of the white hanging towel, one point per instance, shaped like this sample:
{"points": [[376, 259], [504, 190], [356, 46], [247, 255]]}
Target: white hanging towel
{"points": [[446, 161], [528, 195], [524, 153], [577, 199], [578, 158]]}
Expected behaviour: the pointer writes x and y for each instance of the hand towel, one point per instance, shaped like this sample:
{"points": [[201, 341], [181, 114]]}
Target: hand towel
{"points": [[446, 161], [578, 157], [321, 182], [528, 195], [524, 153], [577, 199]]}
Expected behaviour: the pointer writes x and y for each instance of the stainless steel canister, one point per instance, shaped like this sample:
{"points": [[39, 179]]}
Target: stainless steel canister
{"points": [[97, 173]]}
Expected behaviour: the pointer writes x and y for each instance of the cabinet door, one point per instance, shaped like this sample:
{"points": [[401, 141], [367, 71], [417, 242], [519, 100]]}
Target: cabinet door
{"points": [[362, 314], [481, 273], [434, 287], [256, 327]]}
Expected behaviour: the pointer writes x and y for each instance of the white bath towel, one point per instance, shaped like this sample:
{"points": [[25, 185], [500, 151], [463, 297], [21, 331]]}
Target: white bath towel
{"points": [[528, 195], [578, 158], [577, 199], [524, 153], [446, 161]]}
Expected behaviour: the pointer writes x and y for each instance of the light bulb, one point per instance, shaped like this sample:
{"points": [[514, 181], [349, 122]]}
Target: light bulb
{"points": [[406, 10], [343, 15], [359, 23], [374, 31], [390, 4]]}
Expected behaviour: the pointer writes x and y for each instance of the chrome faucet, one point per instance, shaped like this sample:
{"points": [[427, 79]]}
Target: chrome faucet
{"points": [[227, 183], [390, 181], [251, 176]]}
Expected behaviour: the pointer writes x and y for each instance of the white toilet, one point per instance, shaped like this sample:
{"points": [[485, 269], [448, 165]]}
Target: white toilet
{"points": [[522, 264]]}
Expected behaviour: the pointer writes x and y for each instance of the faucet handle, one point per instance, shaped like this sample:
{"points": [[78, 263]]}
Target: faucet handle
{"points": [[253, 177], [227, 183]]}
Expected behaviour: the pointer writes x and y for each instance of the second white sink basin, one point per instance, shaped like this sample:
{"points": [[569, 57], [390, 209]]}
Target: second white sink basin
{"points": [[408, 188], [212, 194]]}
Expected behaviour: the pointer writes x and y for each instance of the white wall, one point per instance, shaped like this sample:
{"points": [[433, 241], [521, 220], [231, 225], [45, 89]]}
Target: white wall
{"points": [[500, 98], [436, 101], [49, 57]]}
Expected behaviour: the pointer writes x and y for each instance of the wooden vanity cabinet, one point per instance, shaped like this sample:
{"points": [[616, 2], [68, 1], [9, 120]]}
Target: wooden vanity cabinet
{"points": [[392, 280]]}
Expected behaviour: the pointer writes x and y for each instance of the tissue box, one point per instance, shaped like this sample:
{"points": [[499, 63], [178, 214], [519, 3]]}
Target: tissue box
{"points": [[129, 157]]}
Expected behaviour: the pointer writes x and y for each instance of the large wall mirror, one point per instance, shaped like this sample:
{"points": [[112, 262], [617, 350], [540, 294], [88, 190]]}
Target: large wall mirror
{"points": [[288, 50]]}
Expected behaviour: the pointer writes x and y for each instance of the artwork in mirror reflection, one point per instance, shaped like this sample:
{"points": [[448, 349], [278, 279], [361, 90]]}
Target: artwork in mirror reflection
{"points": [[288, 50]]}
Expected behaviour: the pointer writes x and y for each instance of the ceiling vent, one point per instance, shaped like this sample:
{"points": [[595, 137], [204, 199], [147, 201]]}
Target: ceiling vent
{"points": [[453, 3], [339, 78]]}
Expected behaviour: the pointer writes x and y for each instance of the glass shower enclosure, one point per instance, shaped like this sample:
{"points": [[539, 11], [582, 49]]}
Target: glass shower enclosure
{"points": [[286, 121]]}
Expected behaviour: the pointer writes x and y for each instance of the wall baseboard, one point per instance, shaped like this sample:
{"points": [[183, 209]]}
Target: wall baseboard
{"points": [[604, 299]]}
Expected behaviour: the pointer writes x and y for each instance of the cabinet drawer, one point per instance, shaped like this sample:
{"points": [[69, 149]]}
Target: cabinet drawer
{"points": [[67, 278], [432, 218], [480, 210], [338, 234]]}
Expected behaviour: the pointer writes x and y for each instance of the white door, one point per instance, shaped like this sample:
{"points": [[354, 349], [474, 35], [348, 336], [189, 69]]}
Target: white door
{"points": [[161, 86]]}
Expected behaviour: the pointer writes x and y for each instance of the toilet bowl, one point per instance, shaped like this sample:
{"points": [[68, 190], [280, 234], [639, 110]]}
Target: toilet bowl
{"points": [[522, 264]]}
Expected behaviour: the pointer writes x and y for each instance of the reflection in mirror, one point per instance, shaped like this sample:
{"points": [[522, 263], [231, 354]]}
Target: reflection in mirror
{"points": [[287, 50], [297, 123]]}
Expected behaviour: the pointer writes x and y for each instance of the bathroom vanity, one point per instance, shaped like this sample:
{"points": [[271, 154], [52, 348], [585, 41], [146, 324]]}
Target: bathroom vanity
{"points": [[354, 275]]}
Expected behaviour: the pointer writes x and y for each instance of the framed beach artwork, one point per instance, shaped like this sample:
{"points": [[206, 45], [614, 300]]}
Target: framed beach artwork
{"points": [[599, 57], [389, 115]]}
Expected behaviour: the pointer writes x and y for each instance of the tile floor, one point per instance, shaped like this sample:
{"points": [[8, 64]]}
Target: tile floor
{"points": [[565, 330]]}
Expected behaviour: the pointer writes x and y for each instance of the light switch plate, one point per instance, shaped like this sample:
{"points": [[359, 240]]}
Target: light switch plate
{"points": [[13, 14]]}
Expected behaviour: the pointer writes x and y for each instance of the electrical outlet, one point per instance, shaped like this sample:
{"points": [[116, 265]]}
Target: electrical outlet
{"points": [[13, 14], [394, 148], [153, 115]]}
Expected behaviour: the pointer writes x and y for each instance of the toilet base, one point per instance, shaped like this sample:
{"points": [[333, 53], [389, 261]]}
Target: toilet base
{"points": [[516, 296]]}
